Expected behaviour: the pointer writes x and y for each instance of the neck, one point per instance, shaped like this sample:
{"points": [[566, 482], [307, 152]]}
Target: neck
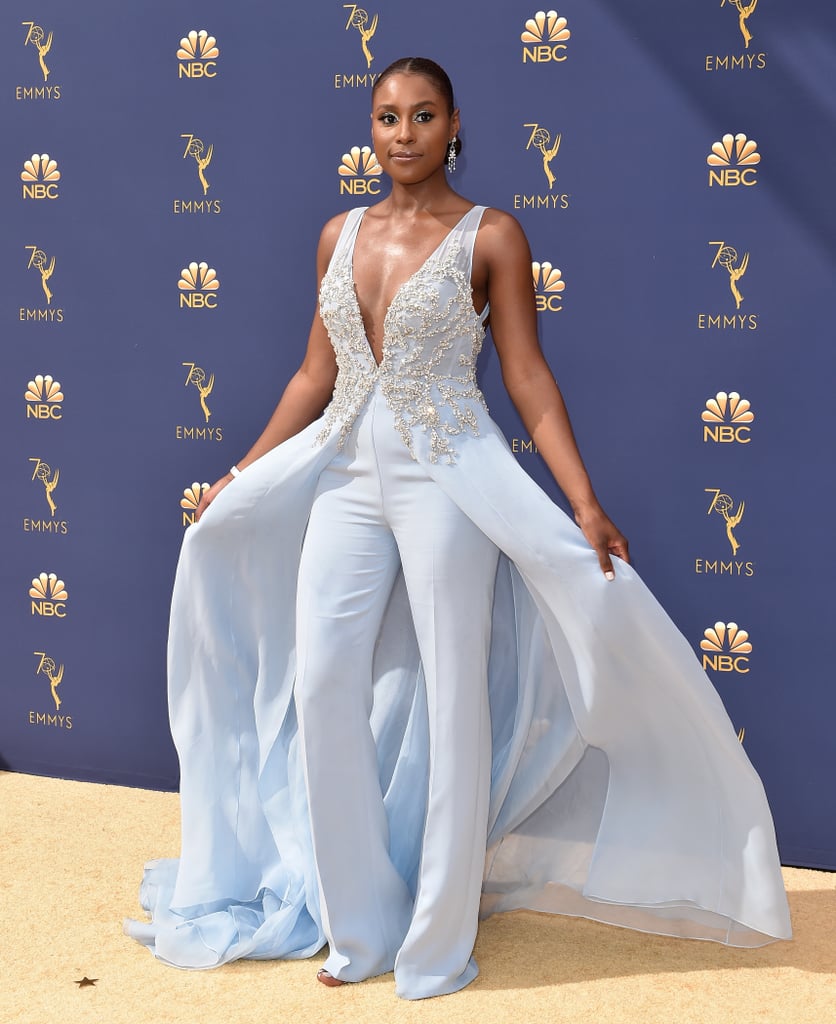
{"points": [[423, 197]]}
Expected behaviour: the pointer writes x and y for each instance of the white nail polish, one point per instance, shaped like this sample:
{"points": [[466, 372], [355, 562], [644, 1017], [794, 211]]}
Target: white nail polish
{"points": [[610, 575]]}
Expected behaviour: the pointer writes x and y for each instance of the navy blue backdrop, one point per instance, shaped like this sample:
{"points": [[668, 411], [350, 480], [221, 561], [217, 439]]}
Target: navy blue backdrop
{"points": [[165, 169]]}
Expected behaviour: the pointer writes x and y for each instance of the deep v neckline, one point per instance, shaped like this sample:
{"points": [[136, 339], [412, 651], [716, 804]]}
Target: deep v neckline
{"points": [[400, 287]]}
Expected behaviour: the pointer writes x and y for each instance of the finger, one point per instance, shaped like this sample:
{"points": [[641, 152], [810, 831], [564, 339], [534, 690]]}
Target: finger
{"points": [[620, 548], [605, 562], [201, 508]]}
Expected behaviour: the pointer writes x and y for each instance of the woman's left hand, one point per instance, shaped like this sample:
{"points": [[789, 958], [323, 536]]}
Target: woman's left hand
{"points": [[604, 537]]}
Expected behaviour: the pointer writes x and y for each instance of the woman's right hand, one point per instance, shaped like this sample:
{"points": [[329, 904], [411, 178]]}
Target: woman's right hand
{"points": [[211, 494]]}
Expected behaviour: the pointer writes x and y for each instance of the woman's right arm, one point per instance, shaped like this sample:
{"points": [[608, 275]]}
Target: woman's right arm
{"points": [[309, 389]]}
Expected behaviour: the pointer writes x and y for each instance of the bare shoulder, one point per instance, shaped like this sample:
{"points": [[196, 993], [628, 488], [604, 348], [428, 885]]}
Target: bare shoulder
{"points": [[329, 235], [501, 238]]}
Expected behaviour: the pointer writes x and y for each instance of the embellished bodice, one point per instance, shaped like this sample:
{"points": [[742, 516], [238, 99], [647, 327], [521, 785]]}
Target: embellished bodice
{"points": [[431, 339]]}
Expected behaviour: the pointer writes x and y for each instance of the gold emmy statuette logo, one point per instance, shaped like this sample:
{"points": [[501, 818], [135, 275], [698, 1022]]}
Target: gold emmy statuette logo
{"points": [[54, 674], [43, 44], [746, 59], [43, 397], [198, 286], [38, 260], [198, 55], [726, 417], [541, 139], [40, 177], [727, 258], [48, 668], [202, 156], [726, 648], [359, 172], [735, 158], [744, 12], [197, 376], [359, 19], [545, 37], [723, 504], [741, 732], [49, 479], [190, 501], [49, 596], [548, 287]]}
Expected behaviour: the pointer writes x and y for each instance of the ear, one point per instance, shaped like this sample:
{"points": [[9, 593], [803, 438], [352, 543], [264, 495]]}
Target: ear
{"points": [[455, 122]]}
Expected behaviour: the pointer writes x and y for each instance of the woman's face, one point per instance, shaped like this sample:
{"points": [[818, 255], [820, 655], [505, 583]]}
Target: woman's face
{"points": [[411, 127]]}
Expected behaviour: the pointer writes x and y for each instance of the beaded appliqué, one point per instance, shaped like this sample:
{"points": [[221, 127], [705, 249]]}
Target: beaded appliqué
{"points": [[432, 337], [356, 367]]}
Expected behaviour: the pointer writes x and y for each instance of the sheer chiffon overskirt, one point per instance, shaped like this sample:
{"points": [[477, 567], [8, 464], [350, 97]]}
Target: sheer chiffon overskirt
{"points": [[619, 793]]}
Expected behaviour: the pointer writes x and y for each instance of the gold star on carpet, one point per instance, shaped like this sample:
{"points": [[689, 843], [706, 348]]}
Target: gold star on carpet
{"points": [[86, 982]]}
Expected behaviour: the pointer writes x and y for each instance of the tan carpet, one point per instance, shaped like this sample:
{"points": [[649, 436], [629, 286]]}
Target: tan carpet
{"points": [[72, 855]]}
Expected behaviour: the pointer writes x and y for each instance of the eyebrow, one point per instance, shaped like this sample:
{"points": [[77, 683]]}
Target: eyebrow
{"points": [[415, 106]]}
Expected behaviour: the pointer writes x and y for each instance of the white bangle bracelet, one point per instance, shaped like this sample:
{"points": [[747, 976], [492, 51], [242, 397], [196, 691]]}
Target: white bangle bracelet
{"points": [[235, 470]]}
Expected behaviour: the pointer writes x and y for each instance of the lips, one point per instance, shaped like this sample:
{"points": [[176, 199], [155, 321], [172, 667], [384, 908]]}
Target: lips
{"points": [[404, 154]]}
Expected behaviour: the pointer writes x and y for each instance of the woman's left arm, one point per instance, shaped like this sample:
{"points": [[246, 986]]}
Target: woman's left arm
{"points": [[506, 258]]}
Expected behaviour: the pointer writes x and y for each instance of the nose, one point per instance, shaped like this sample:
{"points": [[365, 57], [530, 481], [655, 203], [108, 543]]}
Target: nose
{"points": [[405, 132]]}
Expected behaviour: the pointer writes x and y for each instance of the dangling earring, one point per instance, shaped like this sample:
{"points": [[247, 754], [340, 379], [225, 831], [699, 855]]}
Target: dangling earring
{"points": [[451, 155]]}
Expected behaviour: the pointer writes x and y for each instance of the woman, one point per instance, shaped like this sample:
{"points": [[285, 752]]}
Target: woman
{"points": [[447, 669]]}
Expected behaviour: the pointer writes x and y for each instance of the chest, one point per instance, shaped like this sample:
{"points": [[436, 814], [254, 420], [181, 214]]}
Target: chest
{"points": [[381, 265]]}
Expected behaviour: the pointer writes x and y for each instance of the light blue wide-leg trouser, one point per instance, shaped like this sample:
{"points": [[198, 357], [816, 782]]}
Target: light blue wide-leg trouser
{"points": [[375, 510]]}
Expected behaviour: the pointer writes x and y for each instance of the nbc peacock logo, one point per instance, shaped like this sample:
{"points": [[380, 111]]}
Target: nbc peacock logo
{"points": [[190, 501], [44, 398], [40, 177], [48, 596], [544, 38], [727, 418], [198, 286], [726, 648], [548, 287], [359, 172], [198, 55], [733, 161]]}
